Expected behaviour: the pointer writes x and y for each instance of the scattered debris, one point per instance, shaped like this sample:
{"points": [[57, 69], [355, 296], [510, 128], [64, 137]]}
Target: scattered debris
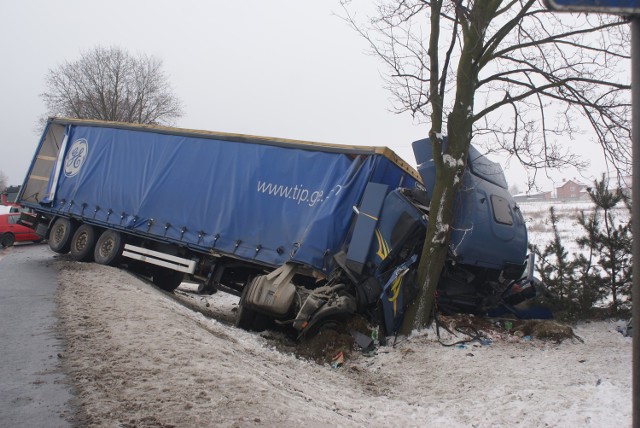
{"points": [[356, 335], [627, 329], [547, 329], [337, 361], [508, 325], [365, 342], [468, 328], [484, 341]]}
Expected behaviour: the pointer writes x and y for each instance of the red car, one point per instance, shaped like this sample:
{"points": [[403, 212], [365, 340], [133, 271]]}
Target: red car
{"points": [[11, 231]]}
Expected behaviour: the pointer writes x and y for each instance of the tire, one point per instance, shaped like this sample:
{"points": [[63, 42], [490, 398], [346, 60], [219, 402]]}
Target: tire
{"points": [[60, 235], [109, 247], [83, 243], [335, 324], [7, 239], [167, 279]]}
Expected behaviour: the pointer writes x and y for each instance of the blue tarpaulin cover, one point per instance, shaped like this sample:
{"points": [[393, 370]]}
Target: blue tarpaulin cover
{"points": [[249, 199]]}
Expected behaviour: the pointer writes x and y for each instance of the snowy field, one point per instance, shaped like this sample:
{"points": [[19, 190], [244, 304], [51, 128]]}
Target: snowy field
{"points": [[538, 219], [140, 357]]}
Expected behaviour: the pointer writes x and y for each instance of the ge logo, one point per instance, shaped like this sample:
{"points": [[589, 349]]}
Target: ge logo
{"points": [[76, 156]]}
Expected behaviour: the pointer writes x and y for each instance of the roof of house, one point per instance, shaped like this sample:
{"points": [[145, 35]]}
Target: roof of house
{"points": [[572, 182]]}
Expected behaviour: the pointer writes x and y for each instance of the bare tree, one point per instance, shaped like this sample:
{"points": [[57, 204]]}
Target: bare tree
{"points": [[511, 76], [3, 182], [110, 84]]}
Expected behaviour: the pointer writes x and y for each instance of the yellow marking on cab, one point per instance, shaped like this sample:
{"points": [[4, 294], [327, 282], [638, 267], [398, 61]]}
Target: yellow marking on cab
{"points": [[395, 289], [383, 248]]}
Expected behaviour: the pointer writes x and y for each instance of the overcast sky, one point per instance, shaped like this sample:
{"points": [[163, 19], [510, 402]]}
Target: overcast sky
{"points": [[281, 68]]}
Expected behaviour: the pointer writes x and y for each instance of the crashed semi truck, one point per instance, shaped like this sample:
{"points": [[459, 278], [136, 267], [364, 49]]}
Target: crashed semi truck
{"points": [[307, 234]]}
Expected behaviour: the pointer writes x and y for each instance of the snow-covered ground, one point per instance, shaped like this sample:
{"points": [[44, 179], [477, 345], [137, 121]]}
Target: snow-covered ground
{"points": [[139, 357], [539, 227]]}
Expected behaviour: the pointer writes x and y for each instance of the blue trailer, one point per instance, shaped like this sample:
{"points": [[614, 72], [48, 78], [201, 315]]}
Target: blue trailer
{"points": [[306, 233]]}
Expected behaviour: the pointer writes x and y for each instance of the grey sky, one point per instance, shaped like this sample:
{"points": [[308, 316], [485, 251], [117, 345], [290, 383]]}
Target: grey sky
{"points": [[283, 68]]}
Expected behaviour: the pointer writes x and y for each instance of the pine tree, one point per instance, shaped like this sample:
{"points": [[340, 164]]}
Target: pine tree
{"points": [[610, 241], [602, 271], [588, 278], [557, 273]]}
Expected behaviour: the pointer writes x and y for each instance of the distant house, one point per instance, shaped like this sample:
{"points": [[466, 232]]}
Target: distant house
{"points": [[572, 190]]}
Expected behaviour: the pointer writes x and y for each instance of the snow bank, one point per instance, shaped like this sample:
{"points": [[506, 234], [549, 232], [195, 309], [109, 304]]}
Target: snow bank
{"points": [[139, 357]]}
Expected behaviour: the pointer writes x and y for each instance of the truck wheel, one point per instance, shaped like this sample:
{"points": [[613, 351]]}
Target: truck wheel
{"points": [[335, 324], [167, 279], [109, 248], [83, 243], [7, 239], [60, 235]]}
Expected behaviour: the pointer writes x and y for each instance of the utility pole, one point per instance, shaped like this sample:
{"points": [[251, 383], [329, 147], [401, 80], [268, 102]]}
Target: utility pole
{"points": [[631, 9]]}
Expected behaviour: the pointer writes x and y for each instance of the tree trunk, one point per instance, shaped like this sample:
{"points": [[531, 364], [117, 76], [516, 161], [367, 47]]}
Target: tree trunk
{"points": [[434, 251], [449, 165]]}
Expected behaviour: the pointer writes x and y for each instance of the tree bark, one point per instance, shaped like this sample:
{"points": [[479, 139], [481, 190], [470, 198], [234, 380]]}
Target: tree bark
{"points": [[434, 251], [449, 165]]}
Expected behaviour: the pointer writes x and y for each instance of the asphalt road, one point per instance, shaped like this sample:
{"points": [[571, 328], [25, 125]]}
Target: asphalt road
{"points": [[33, 391]]}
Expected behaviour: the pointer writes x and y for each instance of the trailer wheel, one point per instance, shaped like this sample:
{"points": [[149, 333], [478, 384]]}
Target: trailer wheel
{"points": [[60, 235], [167, 279], [83, 243], [7, 239], [109, 248]]}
